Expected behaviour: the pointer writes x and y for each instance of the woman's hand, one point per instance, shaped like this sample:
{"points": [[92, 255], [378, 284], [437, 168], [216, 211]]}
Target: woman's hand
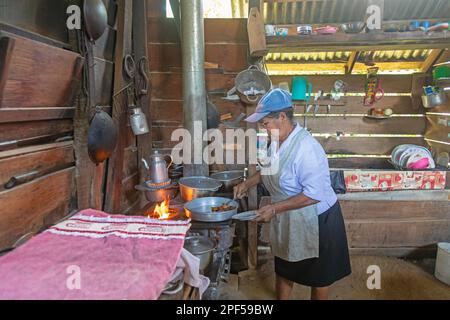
{"points": [[265, 214], [240, 190]]}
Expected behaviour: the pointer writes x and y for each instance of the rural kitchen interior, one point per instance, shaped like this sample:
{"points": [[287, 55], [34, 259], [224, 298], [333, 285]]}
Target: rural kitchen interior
{"points": [[224, 150]]}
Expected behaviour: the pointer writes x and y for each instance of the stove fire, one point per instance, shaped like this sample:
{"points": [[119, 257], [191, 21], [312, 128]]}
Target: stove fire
{"points": [[162, 211]]}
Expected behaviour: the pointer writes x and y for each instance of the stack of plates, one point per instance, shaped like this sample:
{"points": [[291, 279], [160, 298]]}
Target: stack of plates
{"points": [[412, 157]]}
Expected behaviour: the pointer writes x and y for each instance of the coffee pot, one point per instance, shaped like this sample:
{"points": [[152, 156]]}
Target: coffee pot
{"points": [[158, 167]]}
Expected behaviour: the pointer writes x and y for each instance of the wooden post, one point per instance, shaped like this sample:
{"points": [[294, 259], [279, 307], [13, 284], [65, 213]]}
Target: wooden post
{"points": [[144, 142], [351, 62], [252, 227], [123, 47]]}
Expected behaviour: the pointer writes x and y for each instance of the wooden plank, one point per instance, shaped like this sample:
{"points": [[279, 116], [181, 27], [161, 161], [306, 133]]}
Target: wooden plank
{"points": [[123, 47], [438, 128], [26, 150], [156, 9], [230, 57], [359, 42], [163, 30], [39, 75], [256, 33], [35, 114], [355, 83], [19, 217], [354, 105], [397, 252], [361, 145], [359, 163], [104, 75], [140, 36], [168, 85], [401, 195], [396, 233], [129, 195], [351, 62], [430, 60], [24, 130], [395, 210], [348, 125], [130, 161], [171, 111], [418, 82], [44, 17], [104, 46], [44, 162]]}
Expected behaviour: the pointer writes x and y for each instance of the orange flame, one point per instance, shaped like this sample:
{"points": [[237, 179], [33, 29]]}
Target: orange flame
{"points": [[162, 211]]}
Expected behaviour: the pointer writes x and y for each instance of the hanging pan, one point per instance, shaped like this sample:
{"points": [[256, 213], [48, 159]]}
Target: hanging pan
{"points": [[102, 137], [95, 18]]}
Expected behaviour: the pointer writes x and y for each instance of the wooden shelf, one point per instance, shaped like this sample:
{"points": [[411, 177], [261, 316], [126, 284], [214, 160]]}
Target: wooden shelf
{"points": [[359, 42]]}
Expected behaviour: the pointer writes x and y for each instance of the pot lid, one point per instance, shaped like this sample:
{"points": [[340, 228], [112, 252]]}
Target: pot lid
{"points": [[198, 244]]}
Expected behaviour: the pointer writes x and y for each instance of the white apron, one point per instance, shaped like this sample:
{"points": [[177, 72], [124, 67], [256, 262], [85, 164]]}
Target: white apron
{"points": [[294, 235]]}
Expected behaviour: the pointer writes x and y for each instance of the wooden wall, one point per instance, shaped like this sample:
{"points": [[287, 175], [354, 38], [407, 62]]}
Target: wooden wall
{"points": [[43, 128], [227, 49]]}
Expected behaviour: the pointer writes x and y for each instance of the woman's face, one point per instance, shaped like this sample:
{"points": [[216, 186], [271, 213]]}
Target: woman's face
{"points": [[276, 126]]}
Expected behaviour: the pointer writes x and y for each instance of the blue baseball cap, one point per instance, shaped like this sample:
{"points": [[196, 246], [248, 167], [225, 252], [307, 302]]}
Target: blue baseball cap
{"points": [[273, 101]]}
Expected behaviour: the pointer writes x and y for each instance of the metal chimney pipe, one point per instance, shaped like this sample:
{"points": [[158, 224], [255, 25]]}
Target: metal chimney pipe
{"points": [[194, 89]]}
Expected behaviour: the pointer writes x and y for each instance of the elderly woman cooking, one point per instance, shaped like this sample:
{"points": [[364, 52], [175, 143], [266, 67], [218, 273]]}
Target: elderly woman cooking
{"points": [[307, 231]]}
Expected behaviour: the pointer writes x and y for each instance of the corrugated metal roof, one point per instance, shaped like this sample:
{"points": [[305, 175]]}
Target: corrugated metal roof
{"points": [[342, 56], [339, 11]]}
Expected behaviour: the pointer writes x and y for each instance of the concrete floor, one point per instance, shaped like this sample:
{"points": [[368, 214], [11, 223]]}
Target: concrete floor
{"points": [[400, 280]]}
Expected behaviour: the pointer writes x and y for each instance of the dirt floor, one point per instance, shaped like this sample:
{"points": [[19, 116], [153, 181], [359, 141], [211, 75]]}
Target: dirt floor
{"points": [[400, 280]]}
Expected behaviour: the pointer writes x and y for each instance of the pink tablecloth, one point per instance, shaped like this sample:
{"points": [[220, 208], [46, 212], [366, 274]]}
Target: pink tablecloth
{"points": [[95, 256]]}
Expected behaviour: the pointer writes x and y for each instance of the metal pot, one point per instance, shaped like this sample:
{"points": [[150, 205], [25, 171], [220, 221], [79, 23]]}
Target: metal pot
{"points": [[157, 195], [201, 247], [198, 187], [200, 209], [229, 179], [434, 100], [102, 137]]}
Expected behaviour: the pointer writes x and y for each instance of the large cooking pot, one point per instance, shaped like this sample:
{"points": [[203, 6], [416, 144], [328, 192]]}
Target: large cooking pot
{"points": [[252, 84], [201, 209], [198, 187], [229, 179], [201, 247], [157, 195]]}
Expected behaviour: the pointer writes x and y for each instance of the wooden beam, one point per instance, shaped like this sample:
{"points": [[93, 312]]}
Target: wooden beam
{"points": [[351, 62], [123, 48], [175, 5], [430, 60], [140, 48], [359, 42]]}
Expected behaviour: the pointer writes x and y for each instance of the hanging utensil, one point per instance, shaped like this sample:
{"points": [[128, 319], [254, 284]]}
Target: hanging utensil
{"points": [[213, 116], [102, 136], [95, 18]]}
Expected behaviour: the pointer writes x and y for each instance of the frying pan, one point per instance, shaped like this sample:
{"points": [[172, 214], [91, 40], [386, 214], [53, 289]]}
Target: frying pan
{"points": [[95, 18], [102, 137]]}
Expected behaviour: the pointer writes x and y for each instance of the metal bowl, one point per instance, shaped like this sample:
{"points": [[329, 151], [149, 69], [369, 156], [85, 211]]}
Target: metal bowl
{"points": [[158, 196], [197, 187], [353, 27], [229, 179], [200, 209]]}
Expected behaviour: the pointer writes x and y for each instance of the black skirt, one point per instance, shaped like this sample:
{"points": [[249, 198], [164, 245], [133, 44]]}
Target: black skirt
{"points": [[333, 262]]}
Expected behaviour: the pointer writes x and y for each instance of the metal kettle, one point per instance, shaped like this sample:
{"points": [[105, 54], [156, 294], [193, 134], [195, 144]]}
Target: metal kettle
{"points": [[158, 167]]}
